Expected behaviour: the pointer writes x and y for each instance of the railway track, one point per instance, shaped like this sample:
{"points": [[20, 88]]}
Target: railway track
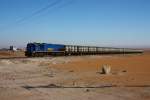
{"points": [[7, 58], [21, 57]]}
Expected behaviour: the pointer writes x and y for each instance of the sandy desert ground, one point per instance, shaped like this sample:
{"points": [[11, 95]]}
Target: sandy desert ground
{"points": [[75, 78], [11, 54]]}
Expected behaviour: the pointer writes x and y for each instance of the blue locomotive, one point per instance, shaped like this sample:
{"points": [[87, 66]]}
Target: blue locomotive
{"points": [[42, 49], [45, 49]]}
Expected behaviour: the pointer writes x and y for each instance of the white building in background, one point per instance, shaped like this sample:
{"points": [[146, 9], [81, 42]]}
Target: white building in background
{"points": [[12, 48]]}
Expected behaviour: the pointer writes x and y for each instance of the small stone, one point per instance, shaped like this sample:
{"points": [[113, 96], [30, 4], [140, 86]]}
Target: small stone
{"points": [[124, 71], [71, 71], [87, 90], [106, 69]]}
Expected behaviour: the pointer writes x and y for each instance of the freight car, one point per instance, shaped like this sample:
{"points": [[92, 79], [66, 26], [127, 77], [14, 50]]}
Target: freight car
{"points": [[45, 49]]}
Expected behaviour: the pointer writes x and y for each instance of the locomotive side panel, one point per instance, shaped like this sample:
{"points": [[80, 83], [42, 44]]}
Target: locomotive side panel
{"points": [[43, 49]]}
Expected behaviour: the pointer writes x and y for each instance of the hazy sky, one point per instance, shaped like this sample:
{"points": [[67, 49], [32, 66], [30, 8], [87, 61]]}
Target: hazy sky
{"points": [[116, 23]]}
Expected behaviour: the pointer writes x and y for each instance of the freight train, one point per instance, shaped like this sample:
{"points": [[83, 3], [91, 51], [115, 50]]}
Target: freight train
{"points": [[46, 49]]}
